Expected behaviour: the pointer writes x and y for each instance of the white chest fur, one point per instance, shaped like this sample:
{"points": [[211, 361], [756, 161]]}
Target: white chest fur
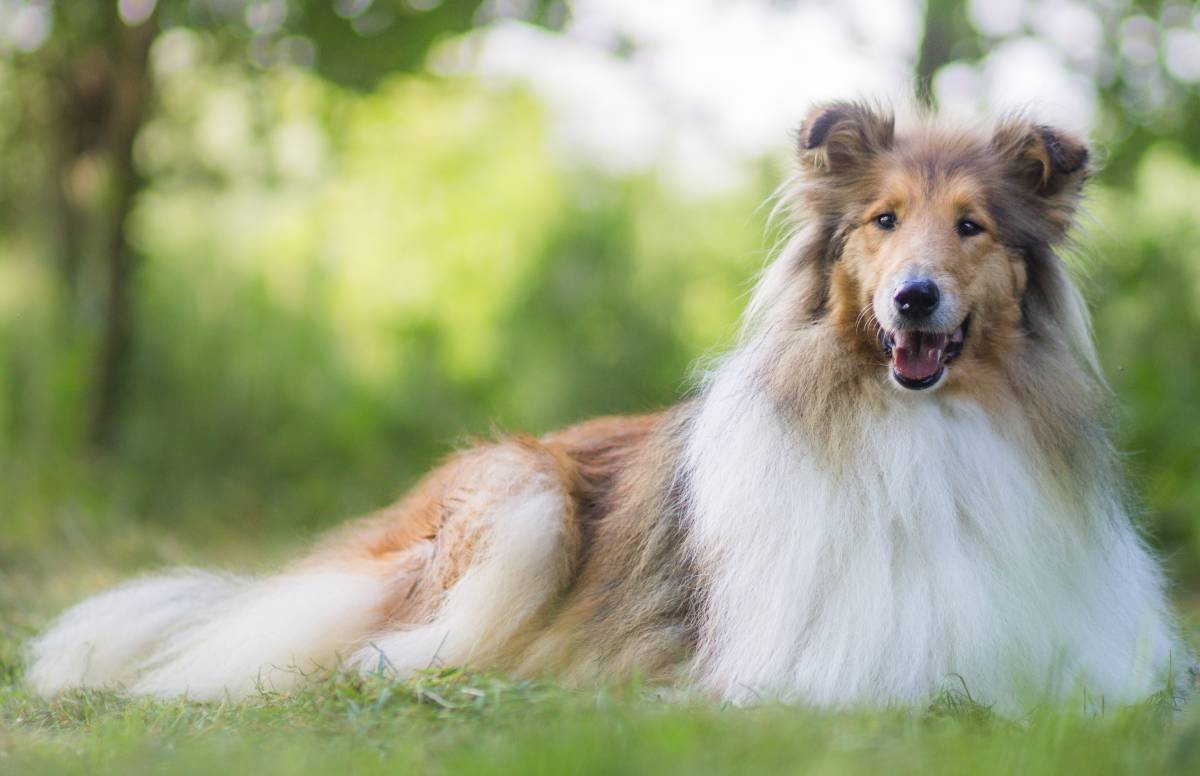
{"points": [[943, 555]]}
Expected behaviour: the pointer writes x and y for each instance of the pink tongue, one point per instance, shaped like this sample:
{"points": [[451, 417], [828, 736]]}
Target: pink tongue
{"points": [[918, 355]]}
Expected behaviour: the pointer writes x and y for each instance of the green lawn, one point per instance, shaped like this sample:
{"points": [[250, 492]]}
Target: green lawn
{"points": [[454, 722]]}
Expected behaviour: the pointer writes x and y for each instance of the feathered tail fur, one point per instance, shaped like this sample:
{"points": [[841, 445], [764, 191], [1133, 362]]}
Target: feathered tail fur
{"points": [[205, 635]]}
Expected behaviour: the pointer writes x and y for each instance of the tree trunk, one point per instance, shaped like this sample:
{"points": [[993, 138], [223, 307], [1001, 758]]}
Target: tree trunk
{"points": [[81, 99], [131, 99], [946, 28]]}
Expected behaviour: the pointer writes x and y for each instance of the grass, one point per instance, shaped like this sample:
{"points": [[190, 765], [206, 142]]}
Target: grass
{"points": [[449, 721], [453, 722]]}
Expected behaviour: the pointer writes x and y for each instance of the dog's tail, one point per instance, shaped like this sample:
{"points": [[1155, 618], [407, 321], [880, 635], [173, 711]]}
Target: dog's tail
{"points": [[207, 635]]}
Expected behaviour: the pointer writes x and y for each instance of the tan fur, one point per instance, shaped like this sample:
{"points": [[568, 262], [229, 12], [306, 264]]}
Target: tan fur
{"points": [[610, 468], [855, 165], [605, 588], [629, 604]]}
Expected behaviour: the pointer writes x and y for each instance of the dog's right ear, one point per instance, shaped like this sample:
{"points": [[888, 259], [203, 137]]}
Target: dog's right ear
{"points": [[841, 137]]}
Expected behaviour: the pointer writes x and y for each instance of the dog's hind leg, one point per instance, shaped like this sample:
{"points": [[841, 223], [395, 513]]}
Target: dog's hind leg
{"points": [[449, 574], [504, 544]]}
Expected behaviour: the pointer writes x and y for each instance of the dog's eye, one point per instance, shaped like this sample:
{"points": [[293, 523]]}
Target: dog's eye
{"points": [[886, 221], [968, 228]]}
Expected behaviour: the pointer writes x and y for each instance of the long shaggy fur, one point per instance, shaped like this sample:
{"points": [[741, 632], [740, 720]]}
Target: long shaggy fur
{"points": [[801, 529]]}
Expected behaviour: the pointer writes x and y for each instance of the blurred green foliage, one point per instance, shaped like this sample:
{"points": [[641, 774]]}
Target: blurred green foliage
{"points": [[341, 283], [1143, 251], [344, 285], [342, 266]]}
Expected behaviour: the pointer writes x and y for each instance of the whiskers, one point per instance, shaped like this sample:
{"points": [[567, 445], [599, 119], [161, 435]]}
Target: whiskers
{"points": [[867, 324], [866, 320]]}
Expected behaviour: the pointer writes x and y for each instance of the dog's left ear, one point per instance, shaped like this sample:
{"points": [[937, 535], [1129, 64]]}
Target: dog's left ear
{"points": [[1050, 162], [1048, 167]]}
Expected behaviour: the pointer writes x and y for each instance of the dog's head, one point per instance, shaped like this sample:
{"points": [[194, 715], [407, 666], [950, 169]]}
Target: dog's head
{"points": [[930, 237]]}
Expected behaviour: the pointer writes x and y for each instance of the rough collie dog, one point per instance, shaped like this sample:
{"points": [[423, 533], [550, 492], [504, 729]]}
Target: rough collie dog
{"points": [[898, 479]]}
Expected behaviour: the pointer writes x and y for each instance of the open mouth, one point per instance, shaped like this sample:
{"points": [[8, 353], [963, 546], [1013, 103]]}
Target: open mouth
{"points": [[919, 358]]}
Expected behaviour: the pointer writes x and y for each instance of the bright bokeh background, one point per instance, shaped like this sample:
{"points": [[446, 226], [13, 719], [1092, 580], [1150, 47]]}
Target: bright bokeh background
{"points": [[362, 231]]}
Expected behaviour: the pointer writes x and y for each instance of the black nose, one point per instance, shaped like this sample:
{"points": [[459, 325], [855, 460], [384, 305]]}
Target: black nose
{"points": [[917, 298]]}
